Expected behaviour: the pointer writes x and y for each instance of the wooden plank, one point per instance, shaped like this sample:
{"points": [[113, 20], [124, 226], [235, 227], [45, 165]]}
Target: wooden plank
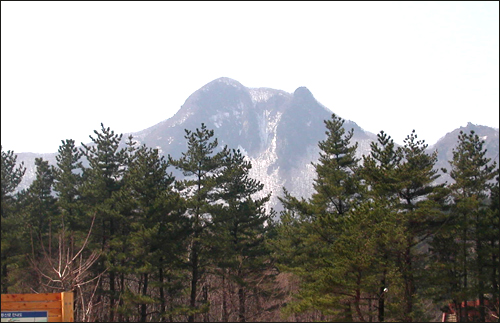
{"points": [[31, 306], [54, 312], [31, 297], [67, 307]]}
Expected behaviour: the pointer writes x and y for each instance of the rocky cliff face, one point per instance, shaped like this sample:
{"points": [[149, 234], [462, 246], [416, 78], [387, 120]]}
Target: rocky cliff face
{"points": [[277, 131]]}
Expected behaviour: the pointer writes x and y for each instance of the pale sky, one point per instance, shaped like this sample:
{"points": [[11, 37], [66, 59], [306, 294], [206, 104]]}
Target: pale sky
{"points": [[392, 66]]}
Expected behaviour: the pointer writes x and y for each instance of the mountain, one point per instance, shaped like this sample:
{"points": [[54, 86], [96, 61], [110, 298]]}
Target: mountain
{"points": [[278, 131], [263, 123], [446, 144]]}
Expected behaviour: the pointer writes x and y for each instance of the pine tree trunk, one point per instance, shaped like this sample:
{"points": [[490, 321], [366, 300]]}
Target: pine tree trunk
{"points": [[101, 268], [357, 302], [466, 311], [348, 313], [112, 296], [4, 276], [409, 284], [144, 293], [170, 303], [357, 299], [112, 278], [122, 288], [162, 293], [241, 297], [494, 282], [224, 298], [480, 283], [194, 276], [205, 301], [381, 299], [370, 316]]}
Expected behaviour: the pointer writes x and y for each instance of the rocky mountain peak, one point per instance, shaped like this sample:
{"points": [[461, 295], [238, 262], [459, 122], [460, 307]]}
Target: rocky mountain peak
{"points": [[303, 93], [222, 82]]}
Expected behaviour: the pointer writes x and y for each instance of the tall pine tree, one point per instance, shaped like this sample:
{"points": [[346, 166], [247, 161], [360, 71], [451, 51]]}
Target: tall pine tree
{"points": [[241, 226], [40, 203], [472, 172], [422, 206], [67, 184], [201, 165], [315, 238], [12, 174], [102, 182]]}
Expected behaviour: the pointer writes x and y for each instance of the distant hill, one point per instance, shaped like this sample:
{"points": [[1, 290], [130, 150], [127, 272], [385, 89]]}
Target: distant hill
{"points": [[446, 144]]}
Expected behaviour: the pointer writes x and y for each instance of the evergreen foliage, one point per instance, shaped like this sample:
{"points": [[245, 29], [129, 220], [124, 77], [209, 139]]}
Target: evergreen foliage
{"points": [[39, 203], [377, 241], [202, 166], [465, 251], [12, 175], [100, 190], [313, 233], [67, 184], [240, 227]]}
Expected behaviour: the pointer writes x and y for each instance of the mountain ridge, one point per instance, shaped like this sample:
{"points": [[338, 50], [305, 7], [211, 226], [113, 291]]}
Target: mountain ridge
{"points": [[277, 131]]}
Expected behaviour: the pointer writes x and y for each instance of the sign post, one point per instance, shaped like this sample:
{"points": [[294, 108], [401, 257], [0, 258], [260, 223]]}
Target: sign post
{"points": [[31, 316], [45, 307]]}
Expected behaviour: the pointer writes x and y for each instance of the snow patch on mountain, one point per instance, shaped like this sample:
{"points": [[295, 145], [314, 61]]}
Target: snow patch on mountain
{"points": [[218, 118], [302, 178], [260, 94], [363, 147], [263, 166], [262, 121], [243, 151], [238, 110], [182, 119]]}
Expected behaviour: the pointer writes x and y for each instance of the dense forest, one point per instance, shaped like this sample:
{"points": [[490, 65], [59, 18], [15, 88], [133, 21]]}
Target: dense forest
{"points": [[377, 241]]}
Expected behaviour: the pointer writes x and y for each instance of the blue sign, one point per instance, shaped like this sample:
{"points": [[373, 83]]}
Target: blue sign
{"points": [[38, 316]]}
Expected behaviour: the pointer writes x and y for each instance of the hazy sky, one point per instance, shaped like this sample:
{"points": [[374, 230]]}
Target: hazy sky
{"points": [[392, 66]]}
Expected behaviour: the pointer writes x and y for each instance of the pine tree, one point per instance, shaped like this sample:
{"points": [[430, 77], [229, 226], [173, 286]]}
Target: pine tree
{"points": [[336, 186], [152, 247], [40, 216], [422, 205], [102, 182], [472, 173], [12, 175], [240, 226], [201, 165], [380, 168], [67, 184], [491, 255], [316, 237], [403, 177], [380, 173], [40, 203]]}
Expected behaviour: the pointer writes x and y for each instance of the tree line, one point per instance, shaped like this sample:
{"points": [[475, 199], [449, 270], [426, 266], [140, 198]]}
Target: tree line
{"points": [[377, 241]]}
